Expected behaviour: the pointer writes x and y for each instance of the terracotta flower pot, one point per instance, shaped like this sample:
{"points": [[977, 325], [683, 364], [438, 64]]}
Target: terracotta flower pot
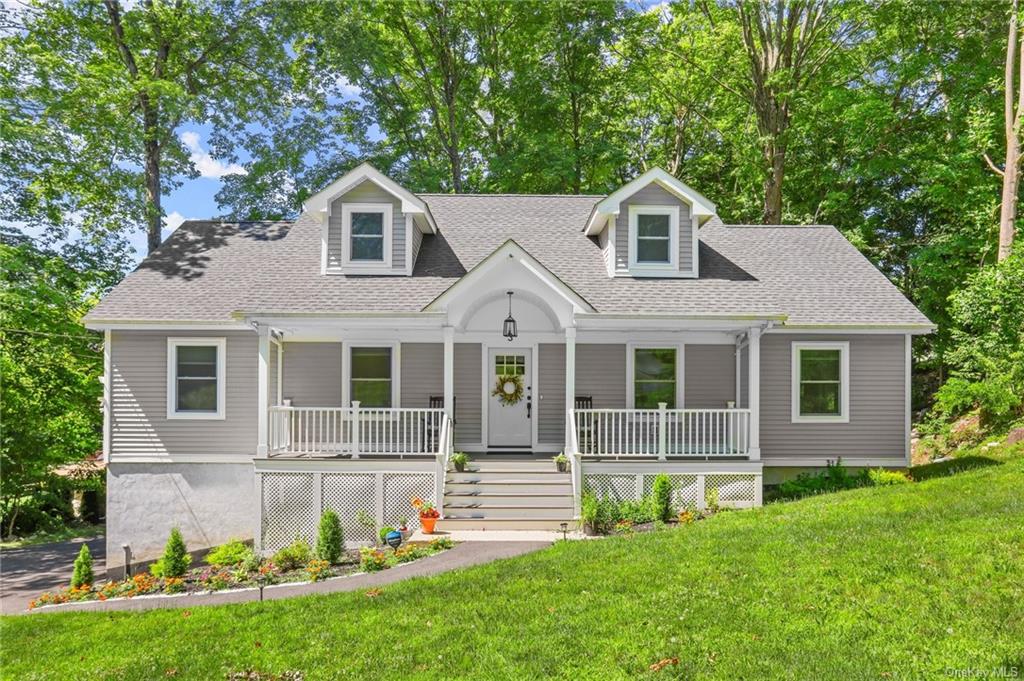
{"points": [[428, 524]]}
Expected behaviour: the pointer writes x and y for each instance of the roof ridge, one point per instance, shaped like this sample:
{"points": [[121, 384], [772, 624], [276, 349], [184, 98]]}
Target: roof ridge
{"points": [[481, 194]]}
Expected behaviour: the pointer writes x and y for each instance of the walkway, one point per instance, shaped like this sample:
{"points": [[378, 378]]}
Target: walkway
{"points": [[27, 572]]}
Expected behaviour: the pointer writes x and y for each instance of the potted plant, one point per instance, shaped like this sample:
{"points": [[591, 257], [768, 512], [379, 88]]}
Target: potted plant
{"points": [[403, 527], [428, 514], [459, 461], [561, 462]]}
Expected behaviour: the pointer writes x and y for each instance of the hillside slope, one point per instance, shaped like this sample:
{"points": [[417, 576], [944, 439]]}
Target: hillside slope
{"points": [[914, 581]]}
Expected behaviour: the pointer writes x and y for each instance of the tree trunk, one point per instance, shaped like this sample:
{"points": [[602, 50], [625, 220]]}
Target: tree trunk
{"points": [[1012, 122], [775, 157], [154, 212]]}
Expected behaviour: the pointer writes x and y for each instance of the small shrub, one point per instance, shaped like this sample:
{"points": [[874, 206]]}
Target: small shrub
{"points": [[374, 560], [176, 559], [318, 569], [82, 575], [441, 544], [294, 556], [661, 498], [711, 499], [624, 526], [384, 531], [411, 552], [215, 579], [329, 538], [174, 585], [833, 479], [234, 553], [881, 477], [686, 516]]}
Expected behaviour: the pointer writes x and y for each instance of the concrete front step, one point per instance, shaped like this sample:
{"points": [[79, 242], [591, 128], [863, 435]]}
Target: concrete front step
{"points": [[494, 511], [488, 500], [508, 475], [518, 488], [483, 464], [502, 524]]}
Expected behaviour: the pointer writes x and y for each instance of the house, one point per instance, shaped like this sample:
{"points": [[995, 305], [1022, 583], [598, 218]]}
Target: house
{"points": [[257, 373]]}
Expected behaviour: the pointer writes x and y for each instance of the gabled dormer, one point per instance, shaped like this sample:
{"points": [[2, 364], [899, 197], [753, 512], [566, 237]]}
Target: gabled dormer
{"points": [[648, 228], [369, 224]]}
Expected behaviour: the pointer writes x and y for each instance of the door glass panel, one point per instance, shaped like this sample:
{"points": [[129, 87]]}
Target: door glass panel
{"points": [[505, 365]]}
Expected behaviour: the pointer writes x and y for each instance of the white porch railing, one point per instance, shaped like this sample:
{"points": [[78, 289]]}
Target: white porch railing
{"points": [[354, 431], [662, 433]]}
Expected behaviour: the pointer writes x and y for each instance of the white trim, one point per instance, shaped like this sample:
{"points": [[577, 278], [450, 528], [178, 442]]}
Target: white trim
{"points": [[183, 458], [165, 325], [172, 344], [382, 266], [612, 262], [611, 205], [108, 392], [319, 202], [652, 466], [844, 381], [346, 370], [840, 329], [263, 390], [280, 375], [408, 244], [695, 253], [325, 235], [423, 464], [907, 395], [637, 268], [680, 349]]}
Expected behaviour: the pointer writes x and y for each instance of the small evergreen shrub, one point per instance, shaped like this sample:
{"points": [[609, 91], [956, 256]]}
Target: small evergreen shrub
{"points": [[881, 477], [294, 556], [234, 553], [176, 559], [661, 498], [329, 538], [82, 575]]}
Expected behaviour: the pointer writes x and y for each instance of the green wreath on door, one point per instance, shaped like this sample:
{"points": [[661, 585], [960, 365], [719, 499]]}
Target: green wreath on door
{"points": [[508, 389]]}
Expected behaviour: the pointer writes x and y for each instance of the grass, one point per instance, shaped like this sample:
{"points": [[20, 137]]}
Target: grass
{"points": [[909, 581], [75, 531]]}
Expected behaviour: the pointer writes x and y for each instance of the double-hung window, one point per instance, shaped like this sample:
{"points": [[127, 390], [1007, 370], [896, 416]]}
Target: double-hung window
{"points": [[654, 242], [654, 377], [821, 382], [195, 378], [371, 379], [367, 229]]}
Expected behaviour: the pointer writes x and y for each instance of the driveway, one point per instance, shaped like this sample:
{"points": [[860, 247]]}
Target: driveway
{"points": [[27, 572]]}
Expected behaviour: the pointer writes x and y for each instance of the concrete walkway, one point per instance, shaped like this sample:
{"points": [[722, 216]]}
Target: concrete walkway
{"points": [[463, 555], [27, 572]]}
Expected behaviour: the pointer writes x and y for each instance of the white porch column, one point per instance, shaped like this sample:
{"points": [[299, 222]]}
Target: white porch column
{"points": [[108, 392], [570, 384], [263, 391], [449, 371], [754, 390]]}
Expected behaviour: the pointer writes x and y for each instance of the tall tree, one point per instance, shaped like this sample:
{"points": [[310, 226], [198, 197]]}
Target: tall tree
{"points": [[1013, 118], [102, 89]]}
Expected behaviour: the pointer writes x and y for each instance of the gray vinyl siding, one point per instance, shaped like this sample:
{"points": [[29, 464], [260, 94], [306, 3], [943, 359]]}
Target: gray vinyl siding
{"points": [[551, 393], [468, 393], [417, 242], [601, 374], [876, 427], [366, 192], [139, 423], [312, 374], [709, 376], [422, 373], [653, 195]]}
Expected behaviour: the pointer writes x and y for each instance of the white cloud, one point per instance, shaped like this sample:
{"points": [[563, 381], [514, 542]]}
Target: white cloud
{"points": [[347, 88], [663, 10], [207, 165], [172, 221]]}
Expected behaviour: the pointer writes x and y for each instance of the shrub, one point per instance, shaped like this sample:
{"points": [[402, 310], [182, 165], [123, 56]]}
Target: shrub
{"points": [[441, 544], [384, 531], [374, 560], [881, 477], [82, 575], [294, 556], [235, 552], [329, 538], [176, 559], [637, 512], [661, 498], [318, 569], [833, 479]]}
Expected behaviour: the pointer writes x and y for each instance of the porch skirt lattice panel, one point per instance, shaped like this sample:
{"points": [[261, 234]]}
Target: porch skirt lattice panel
{"points": [[292, 503], [688, 490], [290, 509]]}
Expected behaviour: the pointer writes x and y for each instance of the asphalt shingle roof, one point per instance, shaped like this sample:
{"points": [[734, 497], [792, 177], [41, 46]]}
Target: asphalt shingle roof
{"points": [[206, 270]]}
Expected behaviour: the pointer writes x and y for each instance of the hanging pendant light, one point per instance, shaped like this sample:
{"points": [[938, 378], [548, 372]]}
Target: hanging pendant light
{"points": [[508, 329]]}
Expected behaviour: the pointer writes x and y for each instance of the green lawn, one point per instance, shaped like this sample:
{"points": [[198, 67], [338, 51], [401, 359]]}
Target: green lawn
{"points": [[913, 581]]}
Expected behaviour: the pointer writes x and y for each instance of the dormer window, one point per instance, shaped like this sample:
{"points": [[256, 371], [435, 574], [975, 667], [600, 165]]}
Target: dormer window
{"points": [[655, 237], [367, 233]]}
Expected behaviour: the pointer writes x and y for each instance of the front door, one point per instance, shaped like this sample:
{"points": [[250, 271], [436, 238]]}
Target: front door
{"points": [[509, 413]]}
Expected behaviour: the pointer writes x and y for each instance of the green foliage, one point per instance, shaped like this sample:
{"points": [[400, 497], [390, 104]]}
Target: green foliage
{"points": [[82, 574], [329, 539], [661, 498], [294, 556], [176, 558], [834, 478], [459, 460], [881, 477], [383, 532], [232, 554]]}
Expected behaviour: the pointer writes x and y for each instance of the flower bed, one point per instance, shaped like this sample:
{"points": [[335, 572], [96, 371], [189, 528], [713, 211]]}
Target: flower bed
{"points": [[251, 573]]}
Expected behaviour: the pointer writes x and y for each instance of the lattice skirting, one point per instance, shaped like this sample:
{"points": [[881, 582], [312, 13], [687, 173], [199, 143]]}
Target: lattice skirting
{"points": [[736, 490], [291, 503]]}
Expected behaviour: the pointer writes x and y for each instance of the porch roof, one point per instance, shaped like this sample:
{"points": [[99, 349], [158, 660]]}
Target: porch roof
{"points": [[207, 270]]}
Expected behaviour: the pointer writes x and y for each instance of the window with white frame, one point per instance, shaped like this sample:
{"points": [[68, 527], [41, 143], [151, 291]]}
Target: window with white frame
{"points": [[654, 241], [195, 378], [654, 377], [367, 229], [821, 382], [371, 376]]}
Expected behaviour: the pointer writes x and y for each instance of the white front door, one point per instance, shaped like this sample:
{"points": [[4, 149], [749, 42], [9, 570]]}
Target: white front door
{"points": [[509, 420]]}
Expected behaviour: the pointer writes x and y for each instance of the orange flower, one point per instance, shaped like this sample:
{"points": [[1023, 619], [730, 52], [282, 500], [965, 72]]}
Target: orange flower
{"points": [[417, 502]]}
